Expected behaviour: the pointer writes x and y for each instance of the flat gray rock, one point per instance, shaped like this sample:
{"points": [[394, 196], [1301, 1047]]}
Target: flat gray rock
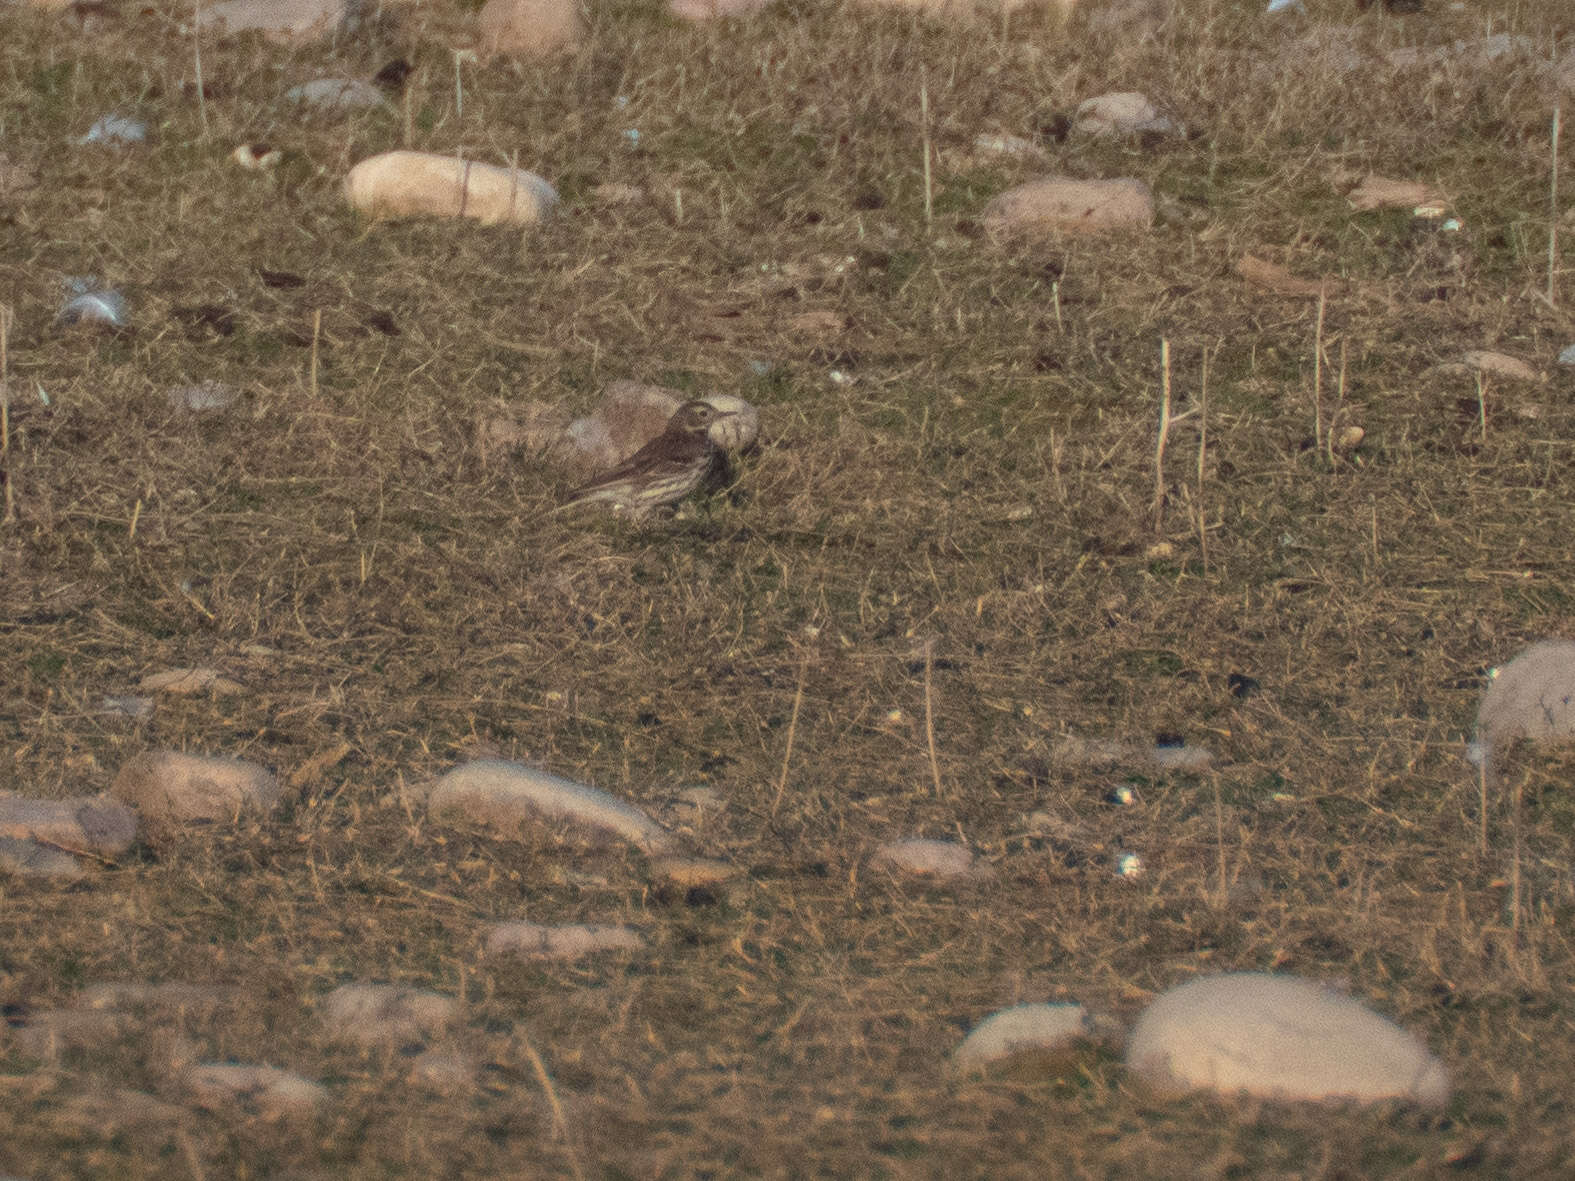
{"points": [[94, 824]]}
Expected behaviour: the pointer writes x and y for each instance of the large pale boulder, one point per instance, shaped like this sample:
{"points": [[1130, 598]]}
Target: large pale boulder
{"points": [[1533, 696], [403, 184], [1279, 1037]]}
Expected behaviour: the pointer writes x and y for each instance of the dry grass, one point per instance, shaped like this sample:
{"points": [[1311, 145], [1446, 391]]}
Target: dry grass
{"points": [[984, 485]]}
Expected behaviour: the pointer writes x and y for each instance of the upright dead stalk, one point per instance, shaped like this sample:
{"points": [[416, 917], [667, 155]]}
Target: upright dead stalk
{"points": [[787, 754], [5, 416], [1553, 205], [1482, 407], [1203, 451], [924, 131], [1158, 508], [929, 716], [560, 1125], [1318, 374], [317, 331], [196, 54]]}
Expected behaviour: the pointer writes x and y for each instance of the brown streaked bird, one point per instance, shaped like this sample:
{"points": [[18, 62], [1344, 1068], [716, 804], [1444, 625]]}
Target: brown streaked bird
{"points": [[661, 473]]}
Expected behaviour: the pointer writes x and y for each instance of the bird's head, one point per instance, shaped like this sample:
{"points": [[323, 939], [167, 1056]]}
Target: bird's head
{"points": [[692, 418]]}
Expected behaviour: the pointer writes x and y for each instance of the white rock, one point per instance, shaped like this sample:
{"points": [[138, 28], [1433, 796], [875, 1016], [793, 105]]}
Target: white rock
{"points": [[169, 996], [197, 399], [1023, 1028], [1126, 112], [1007, 145], [927, 858], [1106, 753], [338, 94], [189, 680], [964, 9], [48, 1033], [512, 797], [529, 28], [90, 304], [572, 942], [389, 1014], [116, 131], [1500, 365], [1059, 202], [171, 786], [401, 184], [704, 10], [1279, 1037], [443, 1070], [692, 873], [265, 1090], [1533, 696], [279, 20]]}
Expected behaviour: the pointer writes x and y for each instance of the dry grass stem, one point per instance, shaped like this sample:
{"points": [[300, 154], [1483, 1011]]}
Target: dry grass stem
{"points": [[1553, 207], [196, 55], [1482, 419], [560, 1125], [317, 335], [1162, 438], [7, 475], [1317, 391], [924, 134], [792, 732], [929, 716]]}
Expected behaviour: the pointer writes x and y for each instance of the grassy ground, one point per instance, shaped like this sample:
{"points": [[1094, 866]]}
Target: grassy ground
{"points": [[984, 483]]}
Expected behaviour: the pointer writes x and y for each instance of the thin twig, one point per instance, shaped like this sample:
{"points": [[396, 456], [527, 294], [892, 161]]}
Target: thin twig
{"points": [[787, 754], [929, 716]]}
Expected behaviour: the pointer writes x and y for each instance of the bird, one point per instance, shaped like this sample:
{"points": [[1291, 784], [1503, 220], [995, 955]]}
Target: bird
{"points": [[661, 473]]}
